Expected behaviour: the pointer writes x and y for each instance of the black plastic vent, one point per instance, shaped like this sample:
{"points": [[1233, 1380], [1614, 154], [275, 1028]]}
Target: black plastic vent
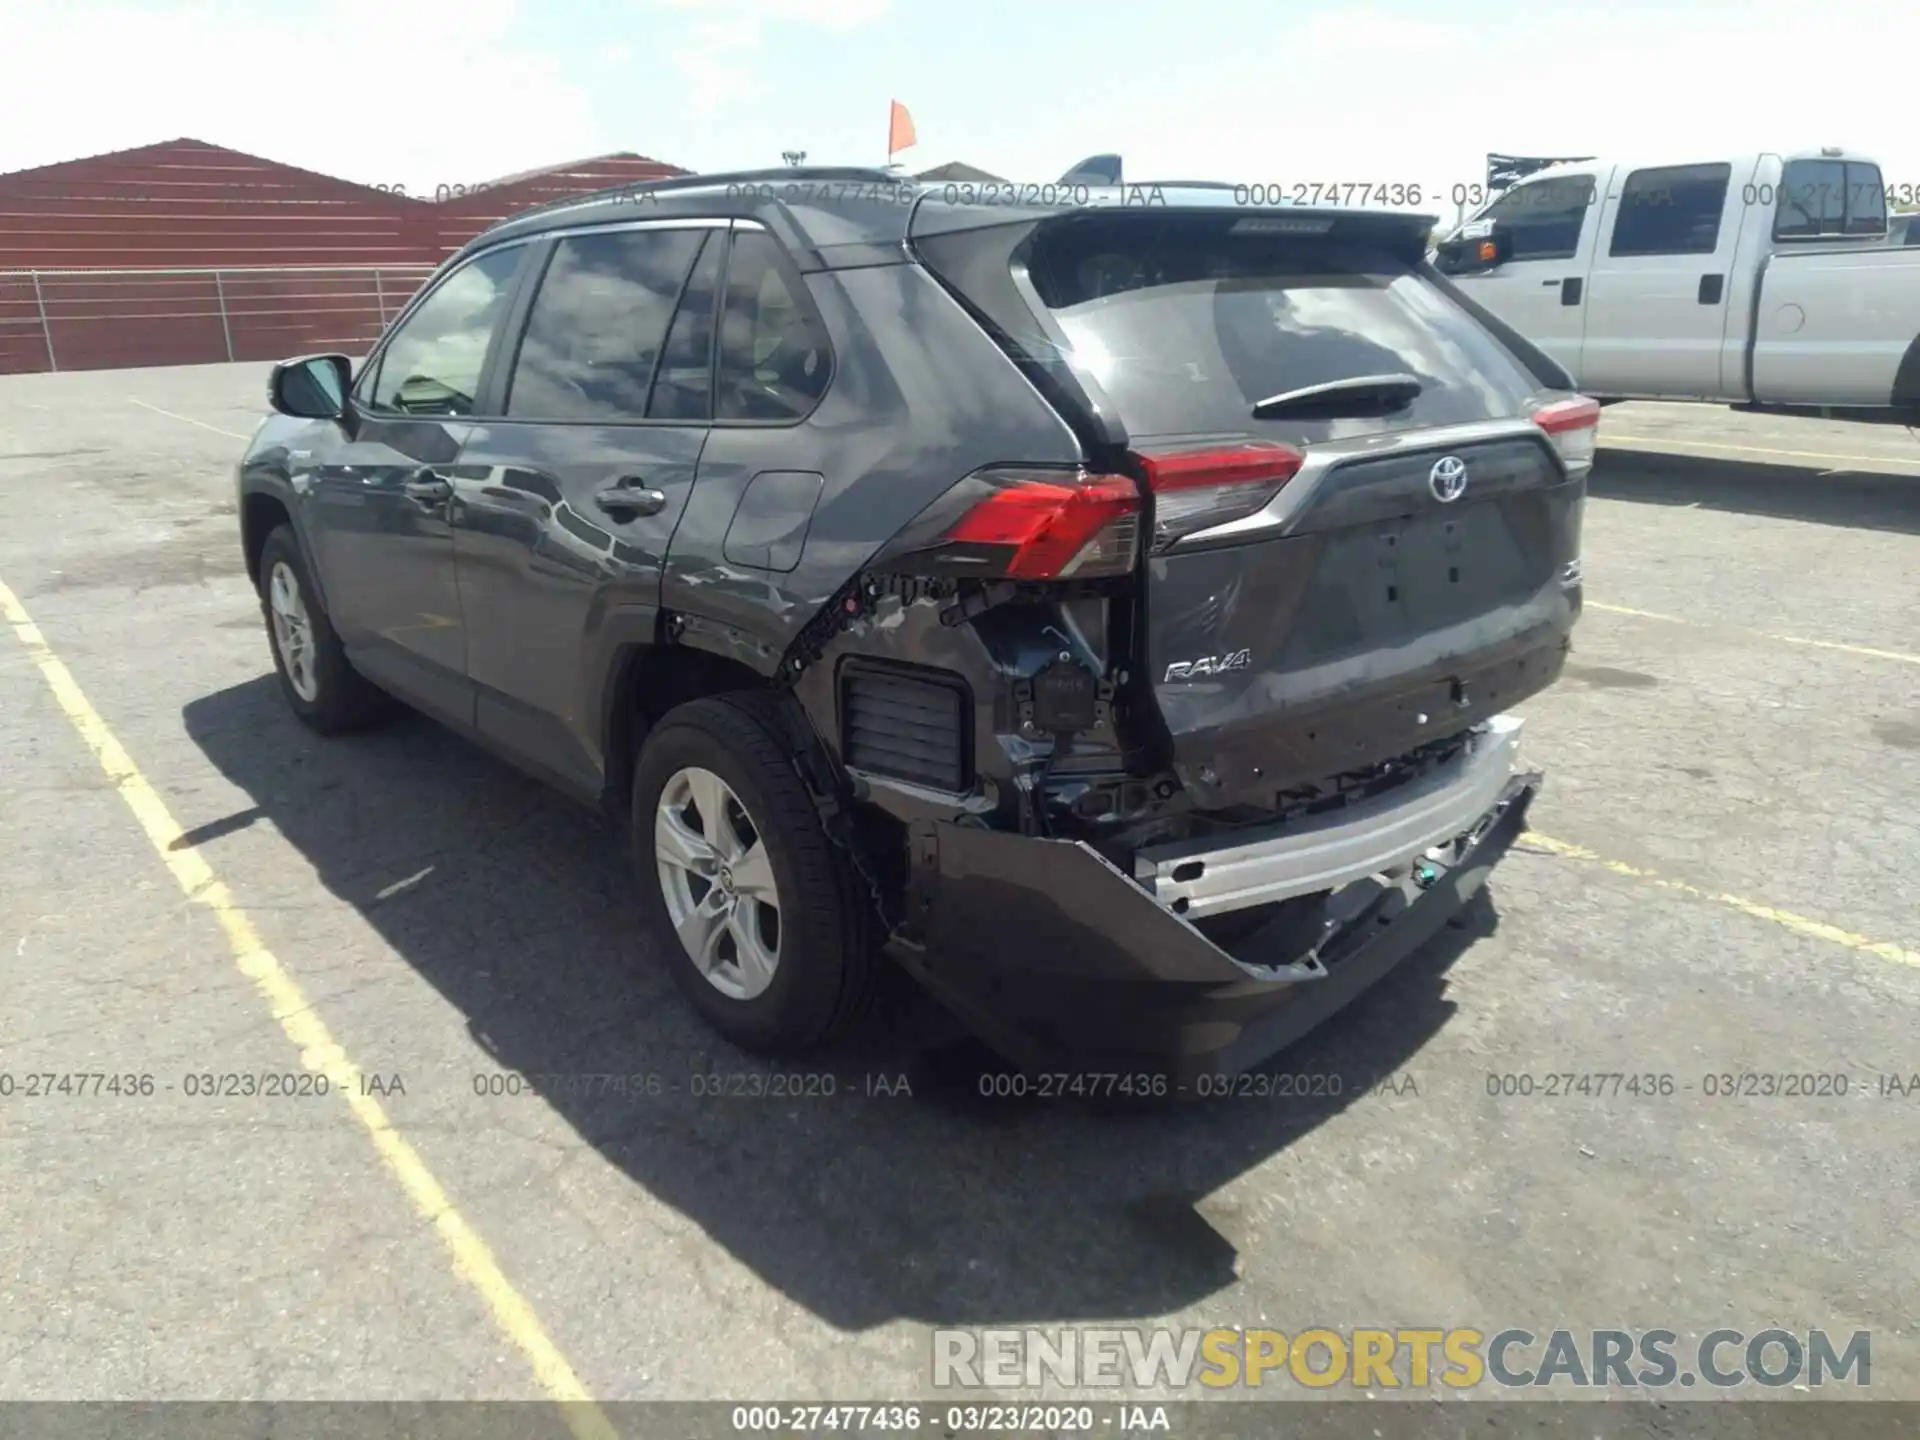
{"points": [[905, 726]]}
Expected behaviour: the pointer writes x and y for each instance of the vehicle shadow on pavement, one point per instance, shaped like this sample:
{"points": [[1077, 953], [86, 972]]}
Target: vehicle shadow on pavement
{"points": [[944, 1206], [1865, 501]]}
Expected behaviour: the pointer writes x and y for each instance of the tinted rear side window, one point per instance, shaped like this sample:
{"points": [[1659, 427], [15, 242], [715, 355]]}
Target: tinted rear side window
{"points": [[683, 388], [598, 323], [1671, 211], [1187, 324], [774, 360]]}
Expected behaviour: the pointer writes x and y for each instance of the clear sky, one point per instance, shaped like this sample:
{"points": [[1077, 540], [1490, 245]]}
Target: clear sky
{"points": [[430, 92]]}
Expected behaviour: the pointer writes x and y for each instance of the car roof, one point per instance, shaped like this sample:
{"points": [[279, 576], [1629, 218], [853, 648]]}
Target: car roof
{"points": [[818, 211], [842, 216]]}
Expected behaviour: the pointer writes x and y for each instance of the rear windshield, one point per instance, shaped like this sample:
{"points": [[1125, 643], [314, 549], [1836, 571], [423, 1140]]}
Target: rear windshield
{"points": [[1186, 325], [1826, 197]]}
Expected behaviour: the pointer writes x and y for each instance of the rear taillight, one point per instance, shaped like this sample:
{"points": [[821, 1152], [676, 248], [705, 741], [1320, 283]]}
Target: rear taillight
{"points": [[1573, 426], [1196, 489], [1020, 523]]}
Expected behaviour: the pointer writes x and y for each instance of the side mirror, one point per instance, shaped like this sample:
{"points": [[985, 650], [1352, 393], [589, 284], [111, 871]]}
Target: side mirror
{"points": [[313, 387], [1476, 250]]}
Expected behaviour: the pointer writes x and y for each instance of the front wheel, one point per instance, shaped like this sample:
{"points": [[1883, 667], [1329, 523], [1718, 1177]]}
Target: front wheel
{"points": [[320, 684], [760, 916]]}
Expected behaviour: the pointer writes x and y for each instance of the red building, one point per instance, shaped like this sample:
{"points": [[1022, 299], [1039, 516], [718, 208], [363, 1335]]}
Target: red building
{"points": [[185, 252], [464, 214]]}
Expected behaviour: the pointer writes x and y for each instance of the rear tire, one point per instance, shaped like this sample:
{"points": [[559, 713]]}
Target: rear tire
{"points": [[780, 983], [320, 685]]}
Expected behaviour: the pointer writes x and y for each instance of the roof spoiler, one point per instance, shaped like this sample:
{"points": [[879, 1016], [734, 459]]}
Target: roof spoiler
{"points": [[1094, 170]]}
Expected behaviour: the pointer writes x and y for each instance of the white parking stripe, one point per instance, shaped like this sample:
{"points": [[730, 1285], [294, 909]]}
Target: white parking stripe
{"points": [[186, 419], [1661, 442], [1872, 654]]}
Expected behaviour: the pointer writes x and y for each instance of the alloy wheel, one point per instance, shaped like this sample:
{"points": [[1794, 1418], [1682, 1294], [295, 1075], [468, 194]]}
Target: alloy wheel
{"points": [[292, 631], [718, 881]]}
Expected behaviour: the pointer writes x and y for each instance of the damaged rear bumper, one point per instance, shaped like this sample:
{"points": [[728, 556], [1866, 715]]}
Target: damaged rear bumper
{"points": [[1059, 959]]}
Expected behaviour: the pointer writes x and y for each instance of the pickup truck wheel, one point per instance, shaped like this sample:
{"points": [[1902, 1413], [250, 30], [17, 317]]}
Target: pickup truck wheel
{"points": [[763, 925], [321, 686]]}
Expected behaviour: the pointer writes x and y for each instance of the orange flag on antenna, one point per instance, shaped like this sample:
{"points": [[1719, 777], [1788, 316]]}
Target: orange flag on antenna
{"points": [[899, 130]]}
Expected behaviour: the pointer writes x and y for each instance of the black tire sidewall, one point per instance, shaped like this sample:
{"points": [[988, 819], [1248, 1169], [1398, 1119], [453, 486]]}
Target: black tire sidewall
{"points": [[819, 929]]}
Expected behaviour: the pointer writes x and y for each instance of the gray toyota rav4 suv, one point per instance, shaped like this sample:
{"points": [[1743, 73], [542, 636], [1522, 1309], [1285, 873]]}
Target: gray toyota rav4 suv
{"points": [[1106, 603]]}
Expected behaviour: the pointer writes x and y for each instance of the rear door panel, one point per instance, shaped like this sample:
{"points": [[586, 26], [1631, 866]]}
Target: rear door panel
{"points": [[543, 568]]}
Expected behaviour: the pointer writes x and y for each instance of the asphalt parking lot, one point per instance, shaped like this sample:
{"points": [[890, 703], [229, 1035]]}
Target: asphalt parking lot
{"points": [[1722, 881]]}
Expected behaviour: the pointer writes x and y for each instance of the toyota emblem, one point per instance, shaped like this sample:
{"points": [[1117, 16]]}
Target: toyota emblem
{"points": [[1448, 479]]}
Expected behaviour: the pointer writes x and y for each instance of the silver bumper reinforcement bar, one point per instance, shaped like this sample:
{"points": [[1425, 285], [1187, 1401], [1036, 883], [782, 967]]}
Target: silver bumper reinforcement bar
{"points": [[1198, 878]]}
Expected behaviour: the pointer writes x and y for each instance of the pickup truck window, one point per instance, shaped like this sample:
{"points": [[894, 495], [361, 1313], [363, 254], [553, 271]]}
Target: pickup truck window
{"points": [[1673, 210], [1544, 216], [1826, 197]]}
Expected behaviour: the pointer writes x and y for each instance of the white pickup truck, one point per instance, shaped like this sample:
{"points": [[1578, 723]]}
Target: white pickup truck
{"points": [[1763, 282]]}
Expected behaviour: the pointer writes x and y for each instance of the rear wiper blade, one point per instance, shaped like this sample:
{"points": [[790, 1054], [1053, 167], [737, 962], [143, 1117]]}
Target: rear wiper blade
{"points": [[1360, 396]]}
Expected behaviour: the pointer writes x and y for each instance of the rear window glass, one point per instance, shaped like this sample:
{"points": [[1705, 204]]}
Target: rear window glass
{"points": [[1826, 197], [1187, 325]]}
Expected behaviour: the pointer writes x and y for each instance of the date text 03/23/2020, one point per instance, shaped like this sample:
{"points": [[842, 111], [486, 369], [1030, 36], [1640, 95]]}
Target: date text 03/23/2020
{"points": [[992, 1419]]}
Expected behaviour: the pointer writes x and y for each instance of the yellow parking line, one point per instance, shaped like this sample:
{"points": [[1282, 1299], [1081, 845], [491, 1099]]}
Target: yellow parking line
{"points": [[1840, 645], [1660, 442], [1799, 924], [301, 1023]]}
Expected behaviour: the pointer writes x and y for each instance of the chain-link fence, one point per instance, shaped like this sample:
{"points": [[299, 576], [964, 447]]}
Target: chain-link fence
{"points": [[106, 319]]}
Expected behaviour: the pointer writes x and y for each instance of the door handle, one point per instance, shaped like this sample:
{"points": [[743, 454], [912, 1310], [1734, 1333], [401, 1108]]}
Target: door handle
{"points": [[427, 488], [629, 497], [1711, 287], [1549, 283], [1570, 290]]}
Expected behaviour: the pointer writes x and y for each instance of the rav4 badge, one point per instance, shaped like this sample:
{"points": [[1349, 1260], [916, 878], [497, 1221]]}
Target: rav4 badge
{"points": [[1209, 665]]}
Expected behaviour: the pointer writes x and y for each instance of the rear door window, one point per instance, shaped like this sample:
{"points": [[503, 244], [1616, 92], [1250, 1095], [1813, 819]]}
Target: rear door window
{"points": [[1674, 210], [683, 388], [598, 324], [1186, 323]]}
